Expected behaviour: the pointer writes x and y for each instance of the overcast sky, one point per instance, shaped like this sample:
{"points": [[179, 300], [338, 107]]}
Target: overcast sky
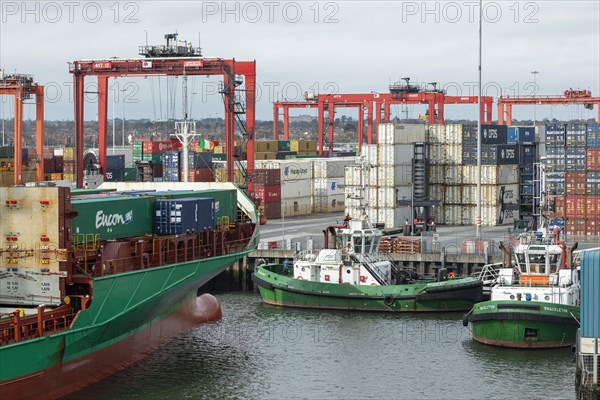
{"points": [[341, 46]]}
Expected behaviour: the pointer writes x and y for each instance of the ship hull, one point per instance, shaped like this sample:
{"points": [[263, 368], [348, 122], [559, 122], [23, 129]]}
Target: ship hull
{"points": [[448, 296], [131, 315], [519, 324]]}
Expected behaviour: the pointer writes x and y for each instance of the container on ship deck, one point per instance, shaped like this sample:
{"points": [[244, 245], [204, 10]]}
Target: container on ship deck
{"points": [[200, 175], [111, 217], [592, 156], [184, 215], [115, 161], [225, 200], [156, 147], [200, 160], [592, 136]]}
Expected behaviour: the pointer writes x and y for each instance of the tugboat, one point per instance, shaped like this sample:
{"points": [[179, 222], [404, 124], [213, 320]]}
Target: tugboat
{"points": [[349, 274], [536, 301]]}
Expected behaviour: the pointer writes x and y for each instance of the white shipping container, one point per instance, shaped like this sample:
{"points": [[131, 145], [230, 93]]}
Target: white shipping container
{"points": [[453, 195], [328, 186], [393, 217], [353, 176], [331, 167], [372, 198], [296, 206], [438, 214], [490, 215], [436, 192], [386, 197], [453, 134], [392, 154], [369, 151], [437, 174], [401, 133], [326, 204], [453, 214], [296, 188], [453, 175], [435, 154], [296, 170], [491, 174], [436, 133], [452, 154], [491, 194], [373, 176], [392, 175]]}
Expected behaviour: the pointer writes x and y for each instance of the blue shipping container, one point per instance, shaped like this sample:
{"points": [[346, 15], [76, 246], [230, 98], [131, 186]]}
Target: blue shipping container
{"points": [[115, 161], [114, 175], [526, 134], [590, 294], [507, 154], [185, 215], [592, 135], [493, 134], [512, 134]]}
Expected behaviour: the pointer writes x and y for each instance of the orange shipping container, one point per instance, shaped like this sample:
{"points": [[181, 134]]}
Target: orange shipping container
{"points": [[593, 158], [575, 182], [575, 206], [591, 206], [557, 206]]}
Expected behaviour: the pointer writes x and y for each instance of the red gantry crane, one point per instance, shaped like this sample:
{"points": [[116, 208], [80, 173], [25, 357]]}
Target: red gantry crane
{"points": [[171, 60], [376, 104], [570, 96], [22, 87]]}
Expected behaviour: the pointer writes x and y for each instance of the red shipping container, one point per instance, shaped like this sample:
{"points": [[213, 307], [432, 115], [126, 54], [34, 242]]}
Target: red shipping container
{"points": [[58, 163], [575, 206], [592, 227], [558, 204], [268, 193], [272, 210], [570, 227], [575, 182], [49, 165], [201, 175], [591, 206], [267, 177], [592, 155], [157, 147], [157, 171]]}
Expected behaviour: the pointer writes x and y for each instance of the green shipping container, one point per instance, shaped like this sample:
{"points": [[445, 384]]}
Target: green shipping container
{"points": [[219, 157], [155, 158], [283, 145], [130, 174], [112, 217], [81, 192], [225, 200]]}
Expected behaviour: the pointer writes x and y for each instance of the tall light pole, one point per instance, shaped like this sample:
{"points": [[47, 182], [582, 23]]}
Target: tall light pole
{"points": [[535, 88], [113, 123], [283, 215], [478, 217], [123, 90]]}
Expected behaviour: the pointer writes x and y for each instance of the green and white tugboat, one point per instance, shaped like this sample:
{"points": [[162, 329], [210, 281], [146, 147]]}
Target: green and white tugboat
{"points": [[536, 301], [350, 274]]}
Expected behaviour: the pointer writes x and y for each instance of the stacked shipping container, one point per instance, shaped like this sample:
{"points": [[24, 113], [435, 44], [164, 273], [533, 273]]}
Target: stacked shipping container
{"points": [[572, 178]]}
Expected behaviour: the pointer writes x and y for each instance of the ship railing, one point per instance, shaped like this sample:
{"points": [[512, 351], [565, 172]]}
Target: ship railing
{"points": [[15, 327], [489, 274]]}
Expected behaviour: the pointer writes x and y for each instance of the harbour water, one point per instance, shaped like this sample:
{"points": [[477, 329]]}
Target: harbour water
{"points": [[263, 352]]}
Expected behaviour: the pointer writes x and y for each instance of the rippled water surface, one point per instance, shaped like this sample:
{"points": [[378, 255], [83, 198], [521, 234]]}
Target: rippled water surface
{"points": [[264, 352]]}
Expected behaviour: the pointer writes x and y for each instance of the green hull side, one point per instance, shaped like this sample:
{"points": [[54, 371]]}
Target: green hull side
{"points": [[280, 290], [540, 325], [123, 305]]}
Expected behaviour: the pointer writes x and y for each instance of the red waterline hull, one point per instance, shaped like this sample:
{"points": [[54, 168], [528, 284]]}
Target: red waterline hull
{"points": [[69, 377]]}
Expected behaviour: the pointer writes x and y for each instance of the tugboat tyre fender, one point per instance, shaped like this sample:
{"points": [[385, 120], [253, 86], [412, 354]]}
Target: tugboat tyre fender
{"points": [[388, 300]]}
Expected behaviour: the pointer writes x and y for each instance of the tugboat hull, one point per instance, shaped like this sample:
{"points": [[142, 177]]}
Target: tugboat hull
{"points": [[531, 325]]}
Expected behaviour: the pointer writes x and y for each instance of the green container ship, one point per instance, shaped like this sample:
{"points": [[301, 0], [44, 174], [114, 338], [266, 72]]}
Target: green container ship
{"points": [[76, 307], [535, 302], [352, 276]]}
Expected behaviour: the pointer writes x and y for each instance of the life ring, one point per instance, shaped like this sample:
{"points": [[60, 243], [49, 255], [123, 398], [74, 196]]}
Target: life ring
{"points": [[451, 275], [299, 277]]}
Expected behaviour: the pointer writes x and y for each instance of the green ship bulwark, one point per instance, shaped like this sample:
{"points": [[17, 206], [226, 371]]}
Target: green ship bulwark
{"points": [[452, 295], [131, 314], [524, 324]]}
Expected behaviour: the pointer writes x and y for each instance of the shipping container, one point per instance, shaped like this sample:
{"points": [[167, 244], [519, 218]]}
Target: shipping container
{"points": [[574, 206], [268, 194], [575, 182], [556, 134], [225, 200], [265, 156], [491, 174], [296, 206], [296, 188], [512, 135], [272, 210], [388, 196], [329, 204], [328, 186], [332, 168], [393, 175], [369, 151], [592, 210], [592, 137], [526, 134], [283, 145], [115, 162], [184, 215], [392, 154], [114, 175], [590, 294], [490, 194], [592, 156], [266, 146], [436, 192], [507, 154], [303, 146], [157, 147], [111, 217], [391, 217], [266, 177], [200, 160], [592, 183], [69, 153], [491, 215], [575, 158], [469, 134], [401, 133], [436, 134], [199, 175], [493, 134], [576, 135]]}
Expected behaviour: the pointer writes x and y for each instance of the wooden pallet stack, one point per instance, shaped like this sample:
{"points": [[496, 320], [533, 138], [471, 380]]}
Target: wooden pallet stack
{"points": [[400, 244]]}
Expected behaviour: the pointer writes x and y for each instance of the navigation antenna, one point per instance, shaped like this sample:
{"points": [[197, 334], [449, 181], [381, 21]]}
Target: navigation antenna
{"points": [[185, 130]]}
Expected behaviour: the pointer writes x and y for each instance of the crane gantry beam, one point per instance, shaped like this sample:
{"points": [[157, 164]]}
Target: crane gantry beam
{"points": [[376, 104], [21, 86], [569, 96], [170, 66]]}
